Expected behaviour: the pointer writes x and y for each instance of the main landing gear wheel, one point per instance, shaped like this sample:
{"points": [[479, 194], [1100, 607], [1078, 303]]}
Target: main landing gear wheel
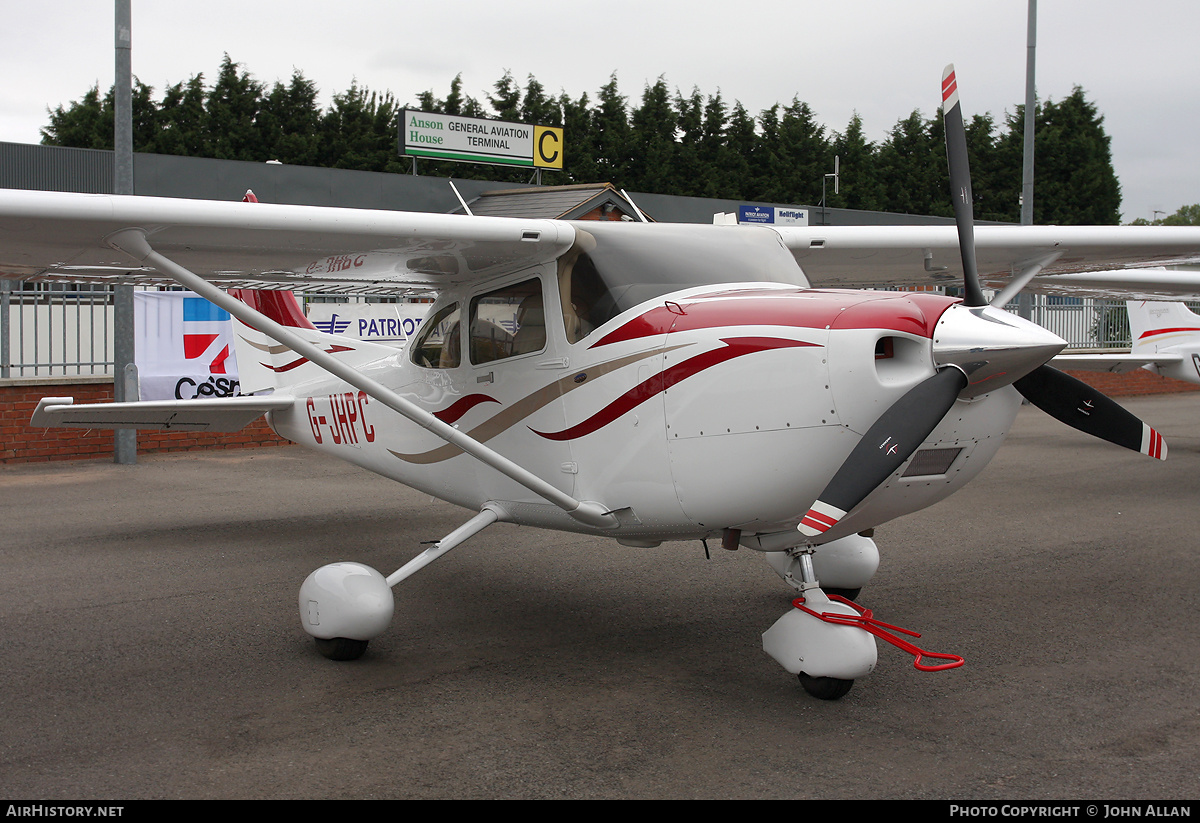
{"points": [[825, 688], [341, 648]]}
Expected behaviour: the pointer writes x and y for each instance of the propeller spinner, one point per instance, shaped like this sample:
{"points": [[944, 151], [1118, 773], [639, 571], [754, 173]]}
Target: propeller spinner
{"points": [[977, 348]]}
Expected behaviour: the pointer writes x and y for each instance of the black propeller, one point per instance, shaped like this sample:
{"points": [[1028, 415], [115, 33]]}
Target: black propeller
{"points": [[887, 444], [898, 432], [960, 187], [1059, 395], [1081, 407]]}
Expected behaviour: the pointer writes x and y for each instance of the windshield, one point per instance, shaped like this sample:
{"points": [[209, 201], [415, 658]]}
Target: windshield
{"points": [[614, 267]]}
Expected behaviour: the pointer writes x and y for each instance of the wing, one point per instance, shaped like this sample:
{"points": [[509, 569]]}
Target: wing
{"points": [[872, 256], [58, 235], [1115, 363], [1130, 284]]}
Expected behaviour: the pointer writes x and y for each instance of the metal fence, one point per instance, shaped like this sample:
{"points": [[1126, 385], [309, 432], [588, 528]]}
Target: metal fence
{"points": [[56, 329], [1085, 323]]}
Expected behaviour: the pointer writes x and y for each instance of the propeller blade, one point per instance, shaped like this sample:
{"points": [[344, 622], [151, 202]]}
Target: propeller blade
{"points": [[884, 448], [960, 186], [1081, 407], [1059, 395]]}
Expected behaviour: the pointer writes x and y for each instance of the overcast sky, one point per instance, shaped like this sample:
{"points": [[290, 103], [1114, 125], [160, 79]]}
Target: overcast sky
{"points": [[1136, 62]]}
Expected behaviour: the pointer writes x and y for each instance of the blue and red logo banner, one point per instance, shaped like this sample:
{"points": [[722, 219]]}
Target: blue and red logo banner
{"points": [[204, 327], [183, 347]]}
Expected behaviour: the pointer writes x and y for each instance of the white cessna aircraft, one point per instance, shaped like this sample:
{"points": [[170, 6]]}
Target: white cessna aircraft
{"points": [[663, 382]]}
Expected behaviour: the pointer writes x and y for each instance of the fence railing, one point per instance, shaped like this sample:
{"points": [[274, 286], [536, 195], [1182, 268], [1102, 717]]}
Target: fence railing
{"points": [[50, 330], [66, 330], [1085, 323]]}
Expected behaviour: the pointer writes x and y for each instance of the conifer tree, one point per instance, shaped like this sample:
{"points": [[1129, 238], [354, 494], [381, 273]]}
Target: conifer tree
{"points": [[231, 109], [673, 143]]}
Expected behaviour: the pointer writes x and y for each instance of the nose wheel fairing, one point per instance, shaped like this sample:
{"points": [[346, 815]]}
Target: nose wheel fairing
{"points": [[803, 643]]}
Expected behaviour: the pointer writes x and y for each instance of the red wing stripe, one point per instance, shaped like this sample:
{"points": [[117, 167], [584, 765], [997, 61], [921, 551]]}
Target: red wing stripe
{"points": [[734, 347]]}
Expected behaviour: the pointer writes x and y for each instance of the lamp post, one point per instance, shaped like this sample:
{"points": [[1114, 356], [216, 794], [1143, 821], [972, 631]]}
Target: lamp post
{"points": [[124, 370]]}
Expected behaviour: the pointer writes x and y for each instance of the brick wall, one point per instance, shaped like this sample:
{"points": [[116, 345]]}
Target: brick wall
{"points": [[19, 443], [1132, 384]]}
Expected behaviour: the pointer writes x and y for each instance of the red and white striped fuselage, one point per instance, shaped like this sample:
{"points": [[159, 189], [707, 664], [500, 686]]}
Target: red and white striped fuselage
{"points": [[699, 411]]}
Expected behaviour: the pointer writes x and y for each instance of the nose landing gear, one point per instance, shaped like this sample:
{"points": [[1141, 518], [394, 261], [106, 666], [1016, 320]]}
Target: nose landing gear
{"points": [[829, 641]]}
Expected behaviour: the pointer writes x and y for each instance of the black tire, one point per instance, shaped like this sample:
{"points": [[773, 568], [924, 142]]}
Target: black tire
{"points": [[849, 594], [341, 648], [825, 688]]}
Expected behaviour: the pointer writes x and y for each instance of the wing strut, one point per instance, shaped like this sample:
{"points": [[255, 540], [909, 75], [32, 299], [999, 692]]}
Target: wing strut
{"points": [[1020, 281], [134, 243], [488, 515]]}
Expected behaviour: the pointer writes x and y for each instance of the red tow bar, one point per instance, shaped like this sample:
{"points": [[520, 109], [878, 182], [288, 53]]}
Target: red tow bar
{"points": [[867, 622]]}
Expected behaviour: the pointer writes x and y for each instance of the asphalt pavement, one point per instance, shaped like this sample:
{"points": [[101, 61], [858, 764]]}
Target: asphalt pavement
{"points": [[152, 646]]}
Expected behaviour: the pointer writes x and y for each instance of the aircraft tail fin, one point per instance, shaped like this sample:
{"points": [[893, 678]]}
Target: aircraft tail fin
{"points": [[264, 363], [1169, 332], [1156, 326]]}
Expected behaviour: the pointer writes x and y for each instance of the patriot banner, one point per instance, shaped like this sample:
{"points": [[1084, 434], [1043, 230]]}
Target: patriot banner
{"points": [[389, 323], [183, 347]]}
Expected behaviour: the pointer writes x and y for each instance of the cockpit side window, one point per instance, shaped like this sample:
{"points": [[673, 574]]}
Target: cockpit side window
{"points": [[438, 345], [507, 322]]}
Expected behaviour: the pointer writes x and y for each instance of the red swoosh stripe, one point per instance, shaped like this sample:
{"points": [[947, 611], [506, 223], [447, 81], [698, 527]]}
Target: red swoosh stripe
{"points": [[462, 406], [302, 360], [734, 347]]}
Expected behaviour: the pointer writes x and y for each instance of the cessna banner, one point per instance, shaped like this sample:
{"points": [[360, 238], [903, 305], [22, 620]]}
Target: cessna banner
{"points": [[656, 382]]}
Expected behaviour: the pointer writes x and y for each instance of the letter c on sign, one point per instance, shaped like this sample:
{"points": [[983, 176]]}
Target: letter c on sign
{"points": [[549, 142]]}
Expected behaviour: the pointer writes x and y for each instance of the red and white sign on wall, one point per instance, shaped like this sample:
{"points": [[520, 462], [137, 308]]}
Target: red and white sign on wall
{"points": [[183, 347]]}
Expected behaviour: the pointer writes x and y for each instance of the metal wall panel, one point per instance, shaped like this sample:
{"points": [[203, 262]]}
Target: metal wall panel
{"points": [[52, 168]]}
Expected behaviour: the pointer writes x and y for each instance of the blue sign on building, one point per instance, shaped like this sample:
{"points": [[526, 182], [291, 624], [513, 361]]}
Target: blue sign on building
{"points": [[756, 214], [788, 216]]}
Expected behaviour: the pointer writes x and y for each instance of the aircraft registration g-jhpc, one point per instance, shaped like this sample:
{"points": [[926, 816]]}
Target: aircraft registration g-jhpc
{"points": [[644, 382]]}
